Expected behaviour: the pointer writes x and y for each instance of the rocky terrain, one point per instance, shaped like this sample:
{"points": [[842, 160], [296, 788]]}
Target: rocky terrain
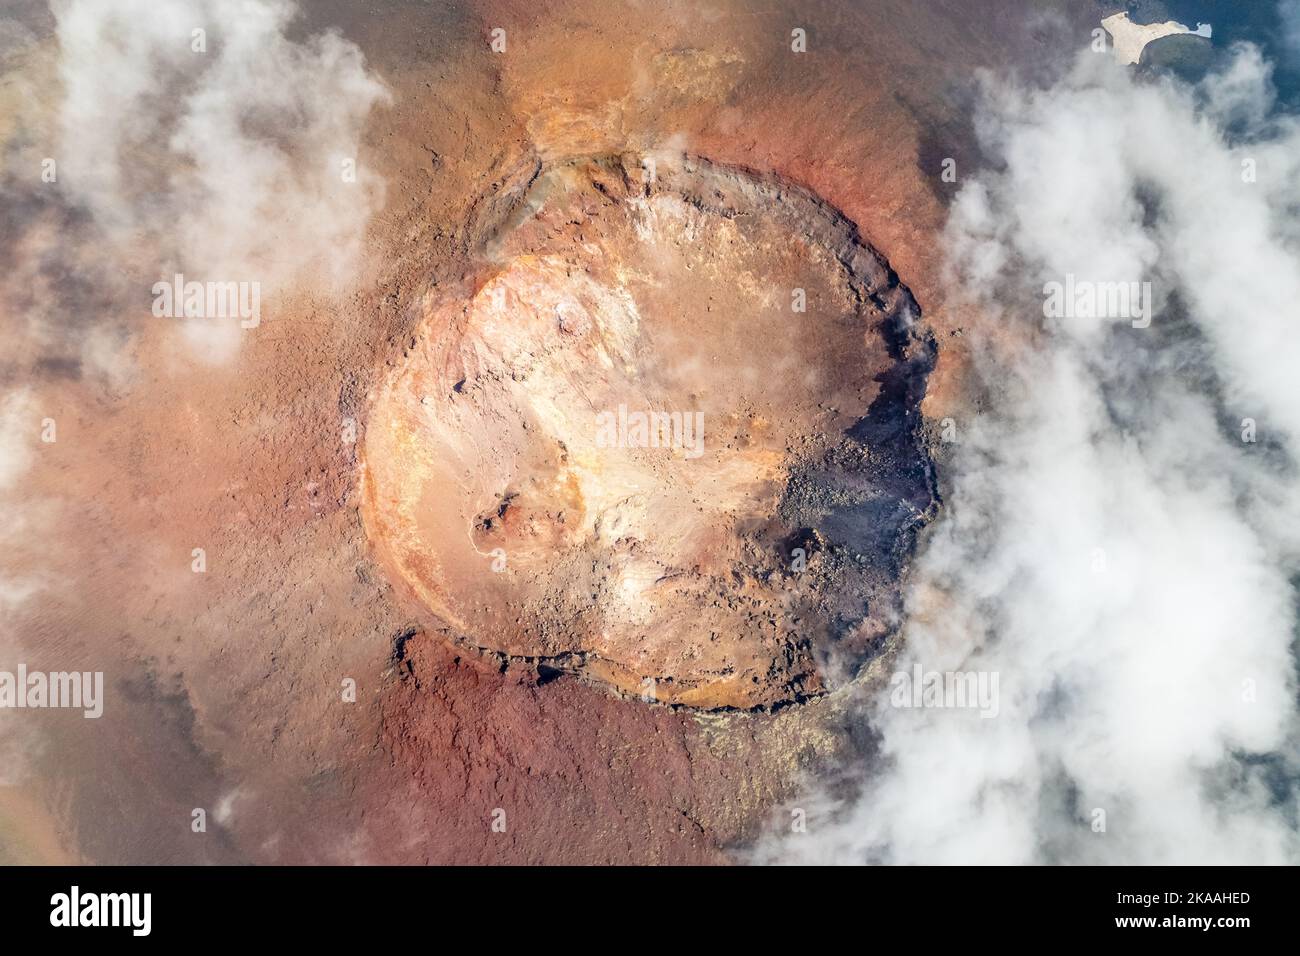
{"points": [[351, 470]]}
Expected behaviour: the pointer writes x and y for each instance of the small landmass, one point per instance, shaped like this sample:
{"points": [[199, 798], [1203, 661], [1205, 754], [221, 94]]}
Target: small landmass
{"points": [[1131, 38]]}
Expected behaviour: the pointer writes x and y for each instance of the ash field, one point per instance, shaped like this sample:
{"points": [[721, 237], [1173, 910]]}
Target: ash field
{"points": [[649, 432]]}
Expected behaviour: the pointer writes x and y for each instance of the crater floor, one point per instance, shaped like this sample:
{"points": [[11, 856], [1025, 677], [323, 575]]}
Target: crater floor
{"points": [[666, 435]]}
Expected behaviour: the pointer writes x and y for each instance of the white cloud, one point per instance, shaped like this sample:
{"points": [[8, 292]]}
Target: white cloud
{"points": [[1109, 546], [1289, 14], [225, 163], [19, 428]]}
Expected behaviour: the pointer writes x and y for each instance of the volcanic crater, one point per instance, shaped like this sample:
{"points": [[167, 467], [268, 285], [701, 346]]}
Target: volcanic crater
{"points": [[665, 434]]}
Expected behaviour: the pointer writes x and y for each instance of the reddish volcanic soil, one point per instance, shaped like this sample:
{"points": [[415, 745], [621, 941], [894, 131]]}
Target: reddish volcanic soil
{"points": [[226, 687]]}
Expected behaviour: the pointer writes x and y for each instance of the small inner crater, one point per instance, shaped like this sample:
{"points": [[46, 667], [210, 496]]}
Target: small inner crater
{"points": [[667, 435]]}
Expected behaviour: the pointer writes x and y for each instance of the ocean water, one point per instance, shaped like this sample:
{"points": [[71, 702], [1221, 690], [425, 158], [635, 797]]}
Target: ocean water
{"points": [[1256, 21]]}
